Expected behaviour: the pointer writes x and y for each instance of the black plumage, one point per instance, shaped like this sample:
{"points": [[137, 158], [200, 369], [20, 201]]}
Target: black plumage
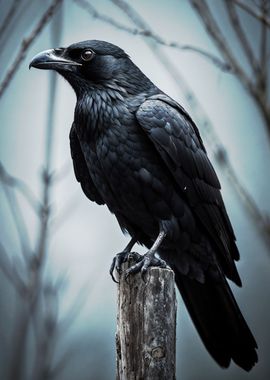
{"points": [[138, 151]]}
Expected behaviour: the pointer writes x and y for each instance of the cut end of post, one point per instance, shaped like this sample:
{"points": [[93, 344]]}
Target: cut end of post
{"points": [[146, 325]]}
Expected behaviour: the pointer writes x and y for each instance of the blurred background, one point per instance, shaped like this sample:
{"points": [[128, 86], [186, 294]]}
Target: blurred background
{"points": [[57, 300]]}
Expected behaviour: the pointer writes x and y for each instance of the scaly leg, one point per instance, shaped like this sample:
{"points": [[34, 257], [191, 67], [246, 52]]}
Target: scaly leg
{"points": [[149, 258], [121, 257]]}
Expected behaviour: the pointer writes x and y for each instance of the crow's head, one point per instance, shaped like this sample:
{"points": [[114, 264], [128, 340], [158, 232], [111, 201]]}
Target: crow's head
{"points": [[88, 63]]}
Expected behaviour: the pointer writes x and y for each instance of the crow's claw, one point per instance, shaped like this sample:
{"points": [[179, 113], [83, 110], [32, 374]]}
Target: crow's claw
{"points": [[148, 260], [112, 269], [119, 259]]}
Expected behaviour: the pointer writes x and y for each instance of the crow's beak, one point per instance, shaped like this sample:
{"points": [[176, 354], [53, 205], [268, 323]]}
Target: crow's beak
{"points": [[51, 60]]}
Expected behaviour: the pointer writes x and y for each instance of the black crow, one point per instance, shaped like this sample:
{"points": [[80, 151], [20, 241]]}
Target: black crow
{"points": [[138, 151]]}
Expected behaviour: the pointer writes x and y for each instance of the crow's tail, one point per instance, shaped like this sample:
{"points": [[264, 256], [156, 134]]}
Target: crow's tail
{"points": [[218, 320]]}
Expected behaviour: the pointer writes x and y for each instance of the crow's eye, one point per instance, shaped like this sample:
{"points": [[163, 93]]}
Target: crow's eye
{"points": [[87, 55]]}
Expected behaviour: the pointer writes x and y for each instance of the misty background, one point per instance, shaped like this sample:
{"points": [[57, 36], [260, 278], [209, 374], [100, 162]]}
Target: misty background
{"points": [[57, 300]]}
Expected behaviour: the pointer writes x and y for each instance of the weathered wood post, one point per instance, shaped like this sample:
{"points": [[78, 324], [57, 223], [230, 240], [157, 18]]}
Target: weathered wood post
{"points": [[146, 326]]}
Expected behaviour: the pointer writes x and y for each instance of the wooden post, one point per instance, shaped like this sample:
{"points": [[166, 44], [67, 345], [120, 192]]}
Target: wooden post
{"points": [[146, 326]]}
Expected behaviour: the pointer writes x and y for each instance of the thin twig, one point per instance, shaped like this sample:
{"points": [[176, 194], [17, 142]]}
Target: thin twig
{"points": [[19, 222], [263, 79], [21, 186], [46, 339], [149, 34], [11, 274], [36, 286], [20, 336], [261, 17], [218, 38], [9, 184], [22, 8], [26, 43], [9, 16], [241, 35]]}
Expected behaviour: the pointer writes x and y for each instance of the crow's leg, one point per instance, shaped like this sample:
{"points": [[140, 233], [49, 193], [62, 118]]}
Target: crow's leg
{"points": [[121, 257], [149, 258]]}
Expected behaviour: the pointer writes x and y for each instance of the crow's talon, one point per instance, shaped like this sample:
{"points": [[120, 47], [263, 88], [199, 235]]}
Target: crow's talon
{"points": [[146, 261], [112, 269], [134, 268], [135, 256], [118, 260], [121, 258]]}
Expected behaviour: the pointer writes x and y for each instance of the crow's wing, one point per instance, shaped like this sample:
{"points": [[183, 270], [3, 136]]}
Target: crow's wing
{"points": [[81, 170], [177, 140]]}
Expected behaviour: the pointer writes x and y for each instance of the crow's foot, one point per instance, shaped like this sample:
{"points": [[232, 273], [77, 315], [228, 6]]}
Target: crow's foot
{"points": [[148, 260], [121, 258]]}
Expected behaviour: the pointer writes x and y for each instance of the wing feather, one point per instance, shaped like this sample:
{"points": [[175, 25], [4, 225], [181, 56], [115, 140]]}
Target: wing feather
{"points": [[177, 139], [81, 170]]}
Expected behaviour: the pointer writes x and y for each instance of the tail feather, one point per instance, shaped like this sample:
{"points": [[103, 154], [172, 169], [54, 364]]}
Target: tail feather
{"points": [[218, 320]]}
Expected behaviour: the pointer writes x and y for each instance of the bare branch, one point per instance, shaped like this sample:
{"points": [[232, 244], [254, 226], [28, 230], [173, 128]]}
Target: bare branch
{"points": [[240, 33], [262, 82], [21, 186], [149, 34], [259, 16], [9, 17], [218, 38], [19, 222], [26, 43], [19, 338], [46, 337], [10, 272], [35, 284], [131, 13], [17, 216]]}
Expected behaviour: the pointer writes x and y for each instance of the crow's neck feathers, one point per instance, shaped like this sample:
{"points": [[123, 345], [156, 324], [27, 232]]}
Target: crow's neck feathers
{"points": [[99, 102], [99, 105]]}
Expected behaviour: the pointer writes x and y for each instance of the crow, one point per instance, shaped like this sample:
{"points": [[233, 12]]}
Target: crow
{"points": [[138, 151]]}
